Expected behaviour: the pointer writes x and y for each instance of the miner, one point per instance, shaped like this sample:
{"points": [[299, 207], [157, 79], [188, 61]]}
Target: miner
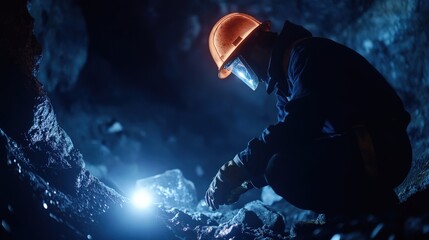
{"points": [[340, 144]]}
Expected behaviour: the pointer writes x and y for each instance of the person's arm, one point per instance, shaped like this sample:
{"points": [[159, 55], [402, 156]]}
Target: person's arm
{"points": [[301, 119], [247, 169], [294, 130]]}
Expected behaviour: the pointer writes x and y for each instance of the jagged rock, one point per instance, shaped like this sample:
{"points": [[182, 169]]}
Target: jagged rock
{"points": [[61, 29], [49, 194], [46, 193], [170, 189], [269, 218], [247, 218], [29, 194], [418, 179], [292, 214], [253, 221]]}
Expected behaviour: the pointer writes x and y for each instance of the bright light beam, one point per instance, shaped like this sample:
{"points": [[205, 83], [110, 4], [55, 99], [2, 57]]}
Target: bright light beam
{"points": [[142, 199]]}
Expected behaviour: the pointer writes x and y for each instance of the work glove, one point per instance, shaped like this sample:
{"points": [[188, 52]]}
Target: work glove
{"points": [[227, 186]]}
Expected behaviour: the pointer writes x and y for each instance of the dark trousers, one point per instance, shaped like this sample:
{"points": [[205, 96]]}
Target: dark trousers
{"points": [[329, 175]]}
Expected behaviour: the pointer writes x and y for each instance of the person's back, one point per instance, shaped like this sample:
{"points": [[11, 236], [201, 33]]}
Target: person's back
{"points": [[357, 145], [349, 89]]}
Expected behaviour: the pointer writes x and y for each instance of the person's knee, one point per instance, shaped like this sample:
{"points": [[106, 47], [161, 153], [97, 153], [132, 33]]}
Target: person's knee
{"points": [[396, 159], [283, 176], [274, 171], [271, 167]]}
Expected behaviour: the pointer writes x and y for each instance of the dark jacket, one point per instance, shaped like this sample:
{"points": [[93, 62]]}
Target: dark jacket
{"points": [[328, 89]]}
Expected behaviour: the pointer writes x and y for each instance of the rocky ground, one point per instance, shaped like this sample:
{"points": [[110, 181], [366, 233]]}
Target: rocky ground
{"points": [[40, 201]]}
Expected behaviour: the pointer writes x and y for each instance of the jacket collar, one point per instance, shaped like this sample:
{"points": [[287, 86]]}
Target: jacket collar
{"points": [[287, 38]]}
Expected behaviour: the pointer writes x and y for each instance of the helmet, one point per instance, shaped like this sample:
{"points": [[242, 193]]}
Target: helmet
{"points": [[226, 38]]}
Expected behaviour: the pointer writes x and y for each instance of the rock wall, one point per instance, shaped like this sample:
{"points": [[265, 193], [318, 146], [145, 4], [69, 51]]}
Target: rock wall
{"points": [[61, 30]]}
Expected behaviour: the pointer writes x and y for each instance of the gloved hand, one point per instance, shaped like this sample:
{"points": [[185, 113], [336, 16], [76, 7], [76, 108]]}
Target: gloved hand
{"points": [[227, 186]]}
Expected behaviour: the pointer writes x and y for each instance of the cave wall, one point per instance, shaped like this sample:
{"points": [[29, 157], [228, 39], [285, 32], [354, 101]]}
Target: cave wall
{"points": [[61, 29]]}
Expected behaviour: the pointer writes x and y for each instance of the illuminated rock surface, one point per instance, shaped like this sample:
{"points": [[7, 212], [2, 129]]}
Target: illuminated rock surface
{"points": [[170, 189]]}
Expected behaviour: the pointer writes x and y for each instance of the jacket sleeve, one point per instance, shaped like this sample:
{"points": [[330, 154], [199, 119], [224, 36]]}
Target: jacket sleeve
{"points": [[300, 121]]}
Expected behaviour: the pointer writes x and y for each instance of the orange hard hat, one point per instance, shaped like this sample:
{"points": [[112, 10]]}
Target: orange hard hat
{"points": [[226, 37]]}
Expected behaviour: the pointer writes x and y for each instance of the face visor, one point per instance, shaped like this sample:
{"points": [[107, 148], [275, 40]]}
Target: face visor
{"points": [[244, 72]]}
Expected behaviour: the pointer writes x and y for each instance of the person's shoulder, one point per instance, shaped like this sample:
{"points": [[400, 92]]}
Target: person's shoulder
{"points": [[311, 42], [314, 47]]}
